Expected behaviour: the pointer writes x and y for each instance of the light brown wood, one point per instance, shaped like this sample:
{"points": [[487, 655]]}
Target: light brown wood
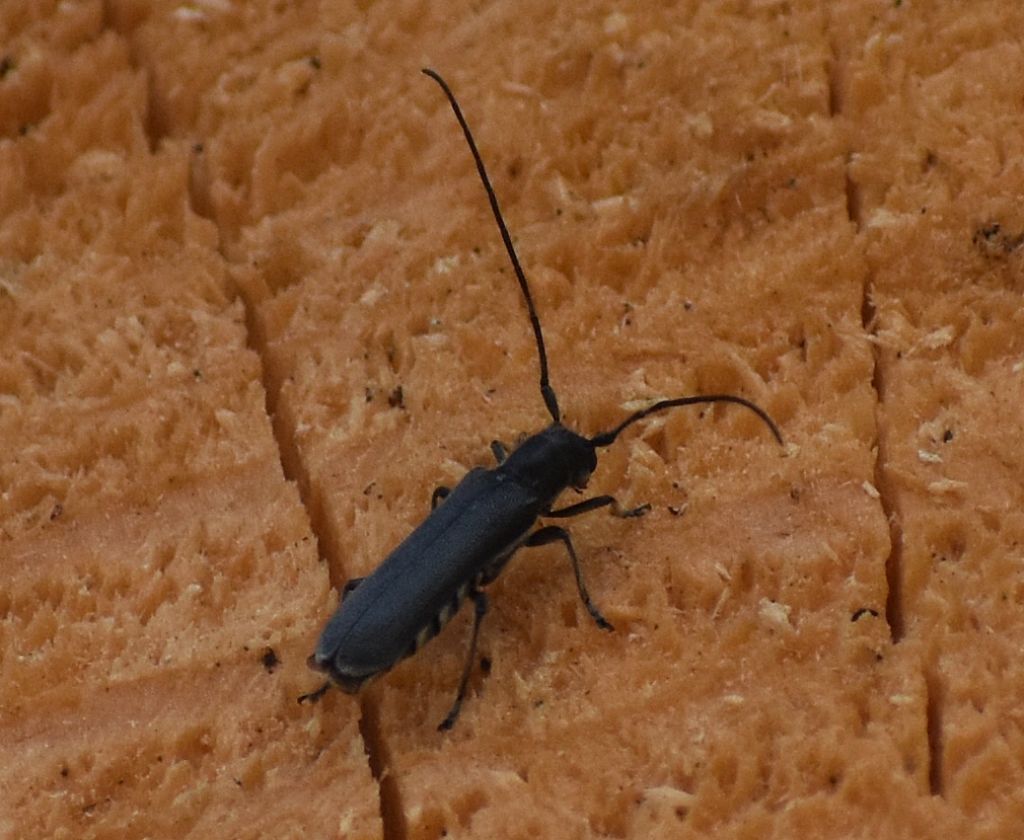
{"points": [[230, 233]]}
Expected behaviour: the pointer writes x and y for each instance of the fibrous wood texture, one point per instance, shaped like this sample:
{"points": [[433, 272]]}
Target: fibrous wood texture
{"points": [[253, 310]]}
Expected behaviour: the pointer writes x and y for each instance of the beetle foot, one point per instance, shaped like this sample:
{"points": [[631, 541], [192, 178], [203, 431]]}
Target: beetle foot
{"points": [[314, 696]]}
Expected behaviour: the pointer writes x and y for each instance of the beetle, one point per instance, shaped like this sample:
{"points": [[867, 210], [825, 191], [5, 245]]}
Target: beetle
{"points": [[474, 529]]}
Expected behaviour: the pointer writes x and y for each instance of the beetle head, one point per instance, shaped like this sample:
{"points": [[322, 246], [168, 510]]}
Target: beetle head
{"points": [[552, 460], [580, 461]]}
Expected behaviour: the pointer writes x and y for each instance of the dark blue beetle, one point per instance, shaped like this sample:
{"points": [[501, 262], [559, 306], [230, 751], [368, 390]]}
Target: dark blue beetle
{"points": [[465, 542]]}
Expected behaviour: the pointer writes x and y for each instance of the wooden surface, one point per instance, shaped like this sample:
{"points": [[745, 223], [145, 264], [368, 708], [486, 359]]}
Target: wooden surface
{"points": [[230, 233]]}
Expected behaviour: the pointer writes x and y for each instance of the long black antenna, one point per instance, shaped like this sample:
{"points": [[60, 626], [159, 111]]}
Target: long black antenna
{"points": [[550, 400], [606, 438]]}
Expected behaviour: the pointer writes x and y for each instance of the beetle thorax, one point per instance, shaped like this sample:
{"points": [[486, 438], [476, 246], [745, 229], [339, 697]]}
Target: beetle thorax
{"points": [[551, 461]]}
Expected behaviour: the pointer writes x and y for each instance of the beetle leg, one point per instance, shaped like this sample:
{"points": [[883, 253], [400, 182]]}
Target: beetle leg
{"points": [[440, 493], [314, 696], [552, 533], [349, 587], [588, 505], [499, 450], [480, 600]]}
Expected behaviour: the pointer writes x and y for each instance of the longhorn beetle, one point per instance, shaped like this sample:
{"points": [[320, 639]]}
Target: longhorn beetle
{"points": [[473, 529]]}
